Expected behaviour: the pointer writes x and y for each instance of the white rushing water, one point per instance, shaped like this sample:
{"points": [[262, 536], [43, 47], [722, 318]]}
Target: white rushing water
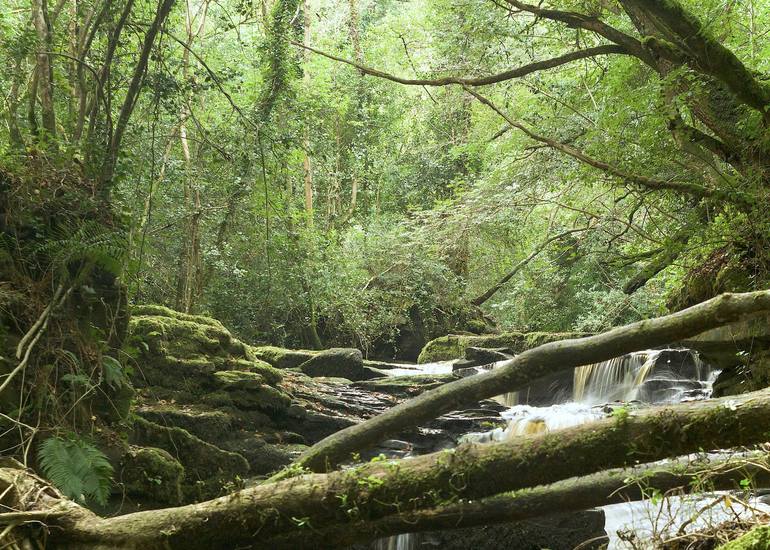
{"points": [[647, 377]]}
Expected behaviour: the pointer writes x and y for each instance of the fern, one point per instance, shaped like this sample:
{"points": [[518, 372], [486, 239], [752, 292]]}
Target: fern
{"points": [[80, 470], [91, 242]]}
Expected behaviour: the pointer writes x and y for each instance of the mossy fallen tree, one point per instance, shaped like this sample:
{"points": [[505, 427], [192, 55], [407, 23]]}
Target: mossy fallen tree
{"points": [[341, 507]]}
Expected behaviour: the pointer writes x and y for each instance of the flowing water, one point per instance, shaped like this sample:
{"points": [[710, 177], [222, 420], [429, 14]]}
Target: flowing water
{"points": [[646, 377]]}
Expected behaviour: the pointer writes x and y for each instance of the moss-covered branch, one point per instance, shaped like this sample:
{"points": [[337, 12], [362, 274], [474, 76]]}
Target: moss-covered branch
{"points": [[704, 52]]}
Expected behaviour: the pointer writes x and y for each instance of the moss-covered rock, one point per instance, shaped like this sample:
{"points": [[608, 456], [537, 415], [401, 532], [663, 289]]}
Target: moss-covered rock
{"points": [[282, 358], [453, 346], [247, 390], [209, 470], [756, 539], [340, 363], [208, 424], [153, 474], [182, 352]]}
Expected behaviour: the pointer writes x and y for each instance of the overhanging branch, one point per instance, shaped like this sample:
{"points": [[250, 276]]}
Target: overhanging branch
{"points": [[694, 189], [518, 72]]}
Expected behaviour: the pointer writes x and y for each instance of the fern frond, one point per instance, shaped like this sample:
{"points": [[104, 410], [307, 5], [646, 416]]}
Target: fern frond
{"points": [[89, 241], [80, 470]]}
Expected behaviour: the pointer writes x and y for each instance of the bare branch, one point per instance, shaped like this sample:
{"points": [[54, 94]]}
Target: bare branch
{"points": [[518, 72]]}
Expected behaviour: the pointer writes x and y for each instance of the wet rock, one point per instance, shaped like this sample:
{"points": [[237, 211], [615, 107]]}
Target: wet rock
{"points": [[153, 474], [484, 356], [557, 532], [405, 386]]}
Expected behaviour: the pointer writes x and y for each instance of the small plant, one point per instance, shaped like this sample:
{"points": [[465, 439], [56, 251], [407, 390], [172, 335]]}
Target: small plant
{"points": [[77, 468]]}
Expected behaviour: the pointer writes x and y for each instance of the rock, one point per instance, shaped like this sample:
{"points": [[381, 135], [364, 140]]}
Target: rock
{"points": [[486, 356], [339, 362], [405, 386], [153, 474], [182, 352], [741, 351], [281, 358], [209, 470], [208, 424], [556, 532], [247, 390], [453, 346]]}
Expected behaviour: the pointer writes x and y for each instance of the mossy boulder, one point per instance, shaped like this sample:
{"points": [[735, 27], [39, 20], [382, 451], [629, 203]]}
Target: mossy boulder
{"points": [[153, 474], [452, 346], [339, 363], [182, 352], [282, 358], [209, 470]]}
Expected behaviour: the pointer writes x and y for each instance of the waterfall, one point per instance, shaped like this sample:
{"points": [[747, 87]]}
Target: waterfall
{"points": [[615, 380], [652, 376], [406, 541]]}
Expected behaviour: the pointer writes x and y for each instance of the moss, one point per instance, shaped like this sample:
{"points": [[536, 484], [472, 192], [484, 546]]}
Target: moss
{"points": [[183, 352], [153, 474], [162, 311], [756, 539], [208, 468], [281, 358], [247, 390]]}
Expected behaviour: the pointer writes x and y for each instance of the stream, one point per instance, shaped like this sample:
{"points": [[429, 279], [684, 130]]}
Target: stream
{"points": [[652, 377]]}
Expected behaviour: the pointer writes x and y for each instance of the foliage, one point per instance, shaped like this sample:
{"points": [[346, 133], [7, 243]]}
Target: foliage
{"points": [[80, 470]]}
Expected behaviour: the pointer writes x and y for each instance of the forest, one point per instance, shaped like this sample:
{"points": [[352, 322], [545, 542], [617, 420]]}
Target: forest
{"points": [[385, 274]]}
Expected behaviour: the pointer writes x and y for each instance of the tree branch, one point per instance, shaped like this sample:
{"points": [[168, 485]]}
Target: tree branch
{"points": [[482, 298], [694, 189], [518, 72], [296, 512], [580, 21], [707, 54]]}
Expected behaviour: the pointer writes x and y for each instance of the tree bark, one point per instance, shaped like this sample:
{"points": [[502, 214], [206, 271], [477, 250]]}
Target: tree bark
{"points": [[343, 506], [132, 94], [44, 67], [531, 365]]}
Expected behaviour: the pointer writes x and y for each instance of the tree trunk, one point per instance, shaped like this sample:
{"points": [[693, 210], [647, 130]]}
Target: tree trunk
{"points": [[132, 94], [307, 162], [44, 67], [344, 506]]}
